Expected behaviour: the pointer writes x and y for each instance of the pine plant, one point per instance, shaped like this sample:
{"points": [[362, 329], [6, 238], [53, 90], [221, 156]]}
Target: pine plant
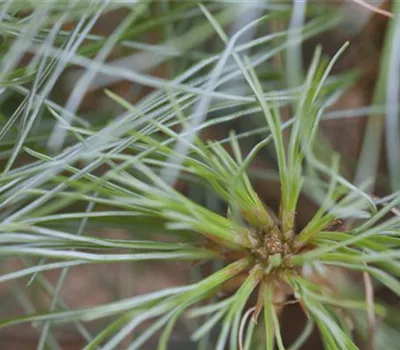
{"points": [[67, 174]]}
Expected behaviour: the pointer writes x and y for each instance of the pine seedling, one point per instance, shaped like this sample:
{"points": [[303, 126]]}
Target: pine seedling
{"points": [[252, 259]]}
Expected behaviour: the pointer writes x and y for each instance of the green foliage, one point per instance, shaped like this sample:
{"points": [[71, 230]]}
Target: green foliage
{"points": [[66, 173]]}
